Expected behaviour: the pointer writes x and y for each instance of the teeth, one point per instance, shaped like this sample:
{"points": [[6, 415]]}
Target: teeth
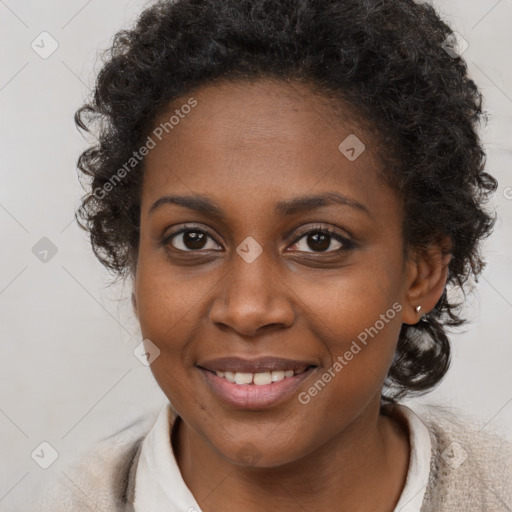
{"points": [[243, 378], [277, 376], [259, 379], [262, 378], [228, 376]]}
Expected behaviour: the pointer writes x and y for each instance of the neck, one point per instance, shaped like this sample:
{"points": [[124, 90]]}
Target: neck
{"points": [[363, 467]]}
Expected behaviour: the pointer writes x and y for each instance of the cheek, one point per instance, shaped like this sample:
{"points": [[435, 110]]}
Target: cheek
{"points": [[357, 317], [167, 301], [358, 353], [169, 310], [351, 302]]}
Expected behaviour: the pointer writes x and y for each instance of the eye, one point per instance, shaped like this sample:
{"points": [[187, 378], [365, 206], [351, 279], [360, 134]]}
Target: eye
{"points": [[189, 240], [321, 239], [318, 239]]}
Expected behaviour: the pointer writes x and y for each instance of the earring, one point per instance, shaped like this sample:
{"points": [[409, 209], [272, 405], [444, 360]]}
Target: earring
{"points": [[417, 309]]}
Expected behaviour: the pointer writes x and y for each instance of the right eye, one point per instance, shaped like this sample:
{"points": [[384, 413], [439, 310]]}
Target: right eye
{"points": [[189, 240]]}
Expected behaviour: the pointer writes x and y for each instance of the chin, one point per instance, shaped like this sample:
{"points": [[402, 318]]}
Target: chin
{"points": [[260, 453]]}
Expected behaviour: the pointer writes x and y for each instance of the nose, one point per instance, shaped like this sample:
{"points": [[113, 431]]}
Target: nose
{"points": [[253, 298]]}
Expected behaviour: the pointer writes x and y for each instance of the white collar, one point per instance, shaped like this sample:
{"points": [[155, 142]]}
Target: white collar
{"points": [[418, 472], [159, 484]]}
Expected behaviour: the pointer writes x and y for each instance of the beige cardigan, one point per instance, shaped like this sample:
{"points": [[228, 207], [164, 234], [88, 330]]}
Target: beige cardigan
{"points": [[470, 471]]}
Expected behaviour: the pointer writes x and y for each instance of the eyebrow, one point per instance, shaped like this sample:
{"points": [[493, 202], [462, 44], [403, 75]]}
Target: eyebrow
{"points": [[203, 204]]}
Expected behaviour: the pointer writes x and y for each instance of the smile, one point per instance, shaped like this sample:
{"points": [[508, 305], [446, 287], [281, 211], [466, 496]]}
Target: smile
{"points": [[255, 384]]}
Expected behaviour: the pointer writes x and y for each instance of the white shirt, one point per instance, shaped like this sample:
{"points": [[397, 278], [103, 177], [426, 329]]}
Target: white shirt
{"points": [[159, 486], [418, 473]]}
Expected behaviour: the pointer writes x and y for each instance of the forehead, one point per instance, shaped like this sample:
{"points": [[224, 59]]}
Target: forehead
{"points": [[261, 140], [266, 109]]}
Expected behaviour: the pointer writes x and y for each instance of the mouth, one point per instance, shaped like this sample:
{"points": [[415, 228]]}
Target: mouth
{"points": [[254, 384]]}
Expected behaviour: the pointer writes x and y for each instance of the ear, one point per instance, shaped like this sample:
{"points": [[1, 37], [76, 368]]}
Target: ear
{"points": [[427, 272]]}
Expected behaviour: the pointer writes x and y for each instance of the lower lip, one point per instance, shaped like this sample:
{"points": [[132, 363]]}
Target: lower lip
{"points": [[251, 396]]}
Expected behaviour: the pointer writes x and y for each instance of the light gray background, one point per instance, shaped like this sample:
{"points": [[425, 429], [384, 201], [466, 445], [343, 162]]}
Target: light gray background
{"points": [[68, 374]]}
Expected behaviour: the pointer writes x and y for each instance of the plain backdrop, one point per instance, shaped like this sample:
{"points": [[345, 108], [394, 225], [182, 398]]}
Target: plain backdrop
{"points": [[67, 369]]}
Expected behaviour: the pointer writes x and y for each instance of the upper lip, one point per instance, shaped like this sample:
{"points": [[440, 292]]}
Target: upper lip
{"points": [[259, 365]]}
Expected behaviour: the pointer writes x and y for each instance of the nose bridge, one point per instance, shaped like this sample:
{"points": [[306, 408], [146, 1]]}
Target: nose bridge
{"points": [[251, 268], [252, 295]]}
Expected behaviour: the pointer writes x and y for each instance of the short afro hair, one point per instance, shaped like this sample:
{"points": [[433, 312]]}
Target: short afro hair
{"points": [[386, 58]]}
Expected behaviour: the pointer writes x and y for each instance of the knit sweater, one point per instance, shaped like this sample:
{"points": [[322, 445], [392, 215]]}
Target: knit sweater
{"points": [[470, 471]]}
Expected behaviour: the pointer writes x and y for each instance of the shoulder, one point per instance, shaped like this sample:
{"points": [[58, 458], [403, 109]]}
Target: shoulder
{"points": [[100, 480], [471, 465]]}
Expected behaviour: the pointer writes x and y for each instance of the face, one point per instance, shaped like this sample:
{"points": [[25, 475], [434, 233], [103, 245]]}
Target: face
{"points": [[270, 257]]}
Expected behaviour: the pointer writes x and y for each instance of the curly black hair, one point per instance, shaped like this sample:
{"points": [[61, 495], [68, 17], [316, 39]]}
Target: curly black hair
{"points": [[385, 58]]}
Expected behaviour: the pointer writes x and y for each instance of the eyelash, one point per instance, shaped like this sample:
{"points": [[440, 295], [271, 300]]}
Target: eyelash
{"points": [[346, 243]]}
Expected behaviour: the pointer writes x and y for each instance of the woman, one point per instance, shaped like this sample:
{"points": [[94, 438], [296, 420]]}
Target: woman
{"points": [[293, 188]]}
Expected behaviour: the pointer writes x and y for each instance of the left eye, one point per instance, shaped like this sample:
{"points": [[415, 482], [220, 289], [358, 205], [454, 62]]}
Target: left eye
{"points": [[320, 240]]}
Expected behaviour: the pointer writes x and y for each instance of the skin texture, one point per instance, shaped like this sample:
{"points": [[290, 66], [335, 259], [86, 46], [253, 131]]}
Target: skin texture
{"points": [[246, 147]]}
